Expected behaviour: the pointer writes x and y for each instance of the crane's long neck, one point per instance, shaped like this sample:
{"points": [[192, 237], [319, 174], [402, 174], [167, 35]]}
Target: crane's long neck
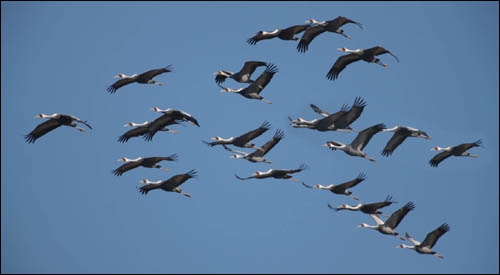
{"points": [[54, 115], [353, 208], [357, 51], [407, 246], [132, 124], [229, 90], [324, 187], [437, 148], [129, 160], [376, 227], [121, 76], [223, 140], [156, 109], [151, 182]]}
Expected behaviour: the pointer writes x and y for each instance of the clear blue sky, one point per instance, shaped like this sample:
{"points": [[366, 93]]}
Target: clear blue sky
{"points": [[64, 211]]}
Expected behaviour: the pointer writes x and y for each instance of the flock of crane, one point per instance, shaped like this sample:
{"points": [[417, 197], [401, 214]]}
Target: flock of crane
{"points": [[339, 121]]}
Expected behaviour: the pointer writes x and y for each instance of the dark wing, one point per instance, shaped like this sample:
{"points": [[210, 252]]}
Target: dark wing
{"points": [[466, 146], [318, 110], [152, 73], [364, 136], [120, 83], [340, 64], [42, 129], [220, 78], [253, 134], [432, 237], [361, 177], [398, 216], [138, 131], [180, 179], [250, 66], [331, 119], [259, 36], [340, 21], [395, 141], [354, 113], [181, 115], [434, 162], [372, 207], [125, 167], [270, 144], [302, 167], [156, 125], [308, 36], [262, 81], [154, 160], [378, 51], [148, 187]]}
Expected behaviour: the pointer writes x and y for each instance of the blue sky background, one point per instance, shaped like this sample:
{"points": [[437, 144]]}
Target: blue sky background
{"points": [[64, 211]]}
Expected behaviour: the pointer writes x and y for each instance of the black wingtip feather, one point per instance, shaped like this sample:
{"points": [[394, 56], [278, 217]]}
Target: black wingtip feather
{"points": [[30, 138]]}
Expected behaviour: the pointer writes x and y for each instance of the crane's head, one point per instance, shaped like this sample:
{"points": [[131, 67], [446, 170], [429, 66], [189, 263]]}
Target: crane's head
{"points": [[120, 76], [236, 156], [363, 225], [436, 148], [342, 206], [144, 181], [123, 159], [216, 138], [342, 49]]}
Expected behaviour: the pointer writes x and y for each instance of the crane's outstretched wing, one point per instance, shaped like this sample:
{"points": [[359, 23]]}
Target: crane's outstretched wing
{"points": [[261, 36], [394, 142], [308, 36], [364, 136], [120, 83], [126, 167], [434, 162], [361, 177], [42, 129], [340, 64], [398, 216], [152, 73], [433, 236], [254, 133], [270, 144]]}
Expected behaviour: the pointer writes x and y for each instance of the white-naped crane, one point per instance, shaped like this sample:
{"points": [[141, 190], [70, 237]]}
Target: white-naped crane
{"points": [[458, 151], [242, 141], [169, 115], [325, 26], [367, 55], [358, 144], [400, 134], [243, 76], [339, 121], [170, 185], [341, 189], [368, 208], [254, 89], [149, 162], [392, 222], [258, 155], [276, 173], [144, 78], [430, 240], [141, 129], [283, 34], [55, 120]]}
